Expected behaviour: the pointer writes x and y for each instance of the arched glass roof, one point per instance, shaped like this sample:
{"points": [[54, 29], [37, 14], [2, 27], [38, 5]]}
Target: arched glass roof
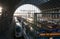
{"points": [[27, 8]]}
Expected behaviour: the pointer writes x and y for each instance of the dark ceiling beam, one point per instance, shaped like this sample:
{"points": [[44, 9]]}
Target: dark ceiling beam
{"points": [[50, 5], [10, 3]]}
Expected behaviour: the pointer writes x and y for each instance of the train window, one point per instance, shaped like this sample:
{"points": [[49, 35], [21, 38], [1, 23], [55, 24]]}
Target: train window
{"points": [[18, 29], [1, 10]]}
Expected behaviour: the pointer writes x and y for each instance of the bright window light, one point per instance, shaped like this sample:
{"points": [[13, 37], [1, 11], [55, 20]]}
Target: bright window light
{"points": [[0, 9], [27, 8]]}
